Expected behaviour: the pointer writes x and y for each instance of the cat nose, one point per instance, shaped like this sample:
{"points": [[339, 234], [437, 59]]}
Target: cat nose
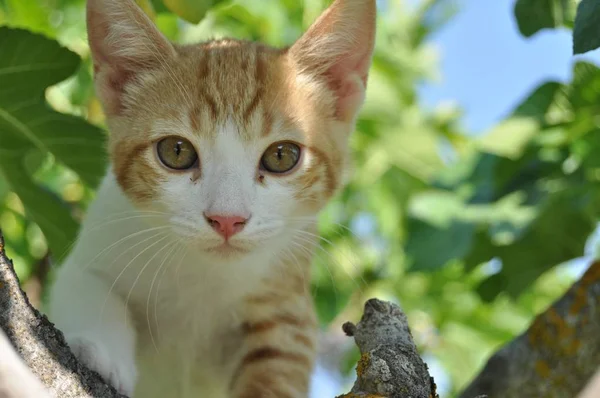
{"points": [[226, 226]]}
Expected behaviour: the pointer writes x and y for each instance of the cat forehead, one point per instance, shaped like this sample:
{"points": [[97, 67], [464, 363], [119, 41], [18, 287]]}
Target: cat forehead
{"points": [[233, 76], [221, 83]]}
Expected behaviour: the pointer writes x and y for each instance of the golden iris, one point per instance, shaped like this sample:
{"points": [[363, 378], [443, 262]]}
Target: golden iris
{"points": [[176, 153], [280, 157]]}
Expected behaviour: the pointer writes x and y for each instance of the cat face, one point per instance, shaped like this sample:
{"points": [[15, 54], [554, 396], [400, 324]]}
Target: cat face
{"points": [[238, 142]]}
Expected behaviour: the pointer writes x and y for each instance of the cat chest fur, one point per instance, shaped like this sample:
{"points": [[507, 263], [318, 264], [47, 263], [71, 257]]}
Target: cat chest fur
{"points": [[189, 341], [191, 354]]}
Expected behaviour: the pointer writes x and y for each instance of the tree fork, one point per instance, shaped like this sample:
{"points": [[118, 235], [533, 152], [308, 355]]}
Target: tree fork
{"points": [[563, 344]]}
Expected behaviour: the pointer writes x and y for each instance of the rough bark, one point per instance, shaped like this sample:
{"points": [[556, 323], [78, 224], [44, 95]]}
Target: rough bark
{"points": [[41, 346], [16, 380], [556, 356], [389, 365]]}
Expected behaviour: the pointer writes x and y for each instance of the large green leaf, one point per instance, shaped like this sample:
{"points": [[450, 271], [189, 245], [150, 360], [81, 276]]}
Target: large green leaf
{"points": [[537, 104], [586, 33], [44, 208], [535, 15], [557, 235], [431, 247], [29, 63]]}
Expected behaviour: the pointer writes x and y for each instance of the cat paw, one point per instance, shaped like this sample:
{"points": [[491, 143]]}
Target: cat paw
{"points": [[118, 373]]}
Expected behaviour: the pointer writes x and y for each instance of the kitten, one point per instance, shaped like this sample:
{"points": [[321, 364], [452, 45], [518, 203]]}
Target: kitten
{"points": [[190, 277]]}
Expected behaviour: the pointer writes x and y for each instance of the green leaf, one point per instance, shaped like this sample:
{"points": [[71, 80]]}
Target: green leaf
{"points": [[535, 15], [148, 8], [510, 137], [586, 33], [537, 104], [431, 247], [191, 10], [30, 15], [29, 64], [43, 207], [557, 235], [29, 130], [584, 91]]}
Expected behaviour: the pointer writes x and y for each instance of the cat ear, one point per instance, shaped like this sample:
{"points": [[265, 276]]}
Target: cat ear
{"points": [[339, 48], [123, 42]]}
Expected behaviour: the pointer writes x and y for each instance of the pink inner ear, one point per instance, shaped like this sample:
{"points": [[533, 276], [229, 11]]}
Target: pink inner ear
{"points": [[348, 79]]}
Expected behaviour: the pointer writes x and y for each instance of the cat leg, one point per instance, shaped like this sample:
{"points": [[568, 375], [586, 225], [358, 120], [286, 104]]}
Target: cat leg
{"points": [[96, 325], [279, 348]]}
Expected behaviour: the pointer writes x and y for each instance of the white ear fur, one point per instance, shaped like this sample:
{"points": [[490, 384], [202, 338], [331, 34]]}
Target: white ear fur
{"points": [[123, 42], [339, 47]]}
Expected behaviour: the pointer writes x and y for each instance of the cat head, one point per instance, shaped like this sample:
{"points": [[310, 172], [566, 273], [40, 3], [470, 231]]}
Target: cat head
{"points": [[237, 141]]}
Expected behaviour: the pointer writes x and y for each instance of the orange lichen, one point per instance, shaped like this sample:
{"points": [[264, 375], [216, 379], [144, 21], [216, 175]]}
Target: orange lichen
{"points": [[362, 364], [542, 369], [580, 290], [557, 332], [571, 347], [562, 327]]}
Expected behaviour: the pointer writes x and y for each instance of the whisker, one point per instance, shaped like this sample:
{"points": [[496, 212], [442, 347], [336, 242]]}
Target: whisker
{"points": [[318, 246], [310, 254], [312, 220], [139, 275], [173, 249], [125, 269], [109, 247], [87, 230], [297, 263], [356, 269]]}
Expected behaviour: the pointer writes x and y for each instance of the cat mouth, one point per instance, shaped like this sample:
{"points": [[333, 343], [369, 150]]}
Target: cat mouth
{"points": [[227, 249]]}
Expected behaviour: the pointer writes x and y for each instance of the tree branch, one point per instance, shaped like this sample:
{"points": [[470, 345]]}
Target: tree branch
{"points": [[389, 365], [556, 356], [41, 347], [16, 380]]}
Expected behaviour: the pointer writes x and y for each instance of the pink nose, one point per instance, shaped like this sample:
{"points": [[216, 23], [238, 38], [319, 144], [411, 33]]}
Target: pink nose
{"points": [[227, 226]]}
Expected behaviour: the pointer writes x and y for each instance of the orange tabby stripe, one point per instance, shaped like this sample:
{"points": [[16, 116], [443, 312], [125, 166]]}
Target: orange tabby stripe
{"points": [[267, 353]]}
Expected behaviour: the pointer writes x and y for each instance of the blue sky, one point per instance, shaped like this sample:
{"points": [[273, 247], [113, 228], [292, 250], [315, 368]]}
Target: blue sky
{"points": [[487, 66]]}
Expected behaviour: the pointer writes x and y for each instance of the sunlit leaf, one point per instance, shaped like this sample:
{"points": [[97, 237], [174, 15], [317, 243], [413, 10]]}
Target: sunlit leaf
{"points": [[191, 10], [29, 64], [45, 209], [510, 137]]}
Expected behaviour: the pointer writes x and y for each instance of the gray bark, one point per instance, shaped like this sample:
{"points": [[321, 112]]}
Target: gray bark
{"points": [[557, 356], [16, 380], [389, 365], [41, 347]]}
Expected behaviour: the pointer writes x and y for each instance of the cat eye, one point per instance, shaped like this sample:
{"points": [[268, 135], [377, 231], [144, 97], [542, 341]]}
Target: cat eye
{"points": [[280, 157], [176, 153]]}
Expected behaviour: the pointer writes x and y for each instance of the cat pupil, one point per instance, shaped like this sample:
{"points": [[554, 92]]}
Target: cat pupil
{"points": [[178, 148]]}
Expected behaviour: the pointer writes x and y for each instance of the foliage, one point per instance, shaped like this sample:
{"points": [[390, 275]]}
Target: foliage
{"points": [[586, 34], [429, 205], [535, 15], [29, 130]]}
